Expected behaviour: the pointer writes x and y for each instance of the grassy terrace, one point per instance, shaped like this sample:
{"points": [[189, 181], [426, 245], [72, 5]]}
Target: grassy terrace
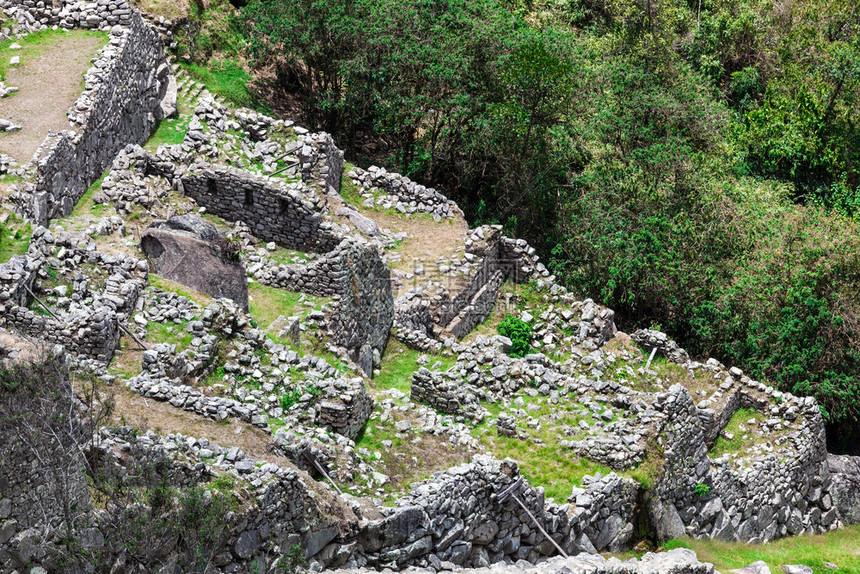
{"points": [[33, 45], [841, 547]]}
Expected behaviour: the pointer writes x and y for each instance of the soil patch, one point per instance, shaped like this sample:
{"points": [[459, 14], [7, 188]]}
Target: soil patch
{"points": [[49, 83]]}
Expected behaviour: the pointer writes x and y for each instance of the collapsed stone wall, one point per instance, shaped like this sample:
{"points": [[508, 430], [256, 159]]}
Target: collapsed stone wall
{"points": [[91, 330], [457, 517], [401, 193], [349, 269]]}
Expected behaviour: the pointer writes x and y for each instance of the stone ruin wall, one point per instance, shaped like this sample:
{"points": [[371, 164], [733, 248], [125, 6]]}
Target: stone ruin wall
{"points": [[500, 258], [271, 210], [94, 333], [28, 494], [456, 516], [121, 103], [774, 498], [348, 269]]}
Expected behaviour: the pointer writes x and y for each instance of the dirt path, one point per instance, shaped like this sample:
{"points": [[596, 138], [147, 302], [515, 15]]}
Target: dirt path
{"points": [[49, 84], [427, 241]]}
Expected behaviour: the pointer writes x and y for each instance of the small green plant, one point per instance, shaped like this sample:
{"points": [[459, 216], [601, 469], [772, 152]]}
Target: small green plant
{"points": [[293, 561], [290, 398], [701, 490], [520, 334]]}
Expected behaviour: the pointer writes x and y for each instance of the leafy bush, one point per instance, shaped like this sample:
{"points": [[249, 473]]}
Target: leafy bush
{"points": [[290, 398], [701, 489], [520, 334]]}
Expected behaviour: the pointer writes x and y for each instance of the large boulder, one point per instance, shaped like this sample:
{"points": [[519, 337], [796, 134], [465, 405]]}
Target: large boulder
{"points": [[188, 250], [845, 489]]}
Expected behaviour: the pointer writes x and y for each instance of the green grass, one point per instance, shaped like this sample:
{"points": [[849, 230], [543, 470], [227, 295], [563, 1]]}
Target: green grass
{"points": [[841, 547], [549, 465], [85, 204], [228, 80], [14, 238], [284, 256], [268, 303], [545, 463], [171, 131], [349, 191], [398, 364], [35, 44], [172, 333], [743, 439], [172, 286]]}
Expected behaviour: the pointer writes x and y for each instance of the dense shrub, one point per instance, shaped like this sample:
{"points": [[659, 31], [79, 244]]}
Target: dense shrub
{"points": [[520, 334]]}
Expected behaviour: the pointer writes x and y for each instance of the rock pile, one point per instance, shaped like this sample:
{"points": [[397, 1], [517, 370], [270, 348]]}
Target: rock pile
{"points": [[400, 193]]}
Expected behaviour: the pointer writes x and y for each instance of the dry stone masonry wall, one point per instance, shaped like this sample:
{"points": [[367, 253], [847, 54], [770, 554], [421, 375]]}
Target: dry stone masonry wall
{"points": [[274, 211], [88, 321], [127, 90]]}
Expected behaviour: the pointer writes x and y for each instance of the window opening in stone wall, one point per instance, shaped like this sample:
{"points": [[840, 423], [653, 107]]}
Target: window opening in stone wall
{"points": [[213, 187], [283, 205], [249, 198]]}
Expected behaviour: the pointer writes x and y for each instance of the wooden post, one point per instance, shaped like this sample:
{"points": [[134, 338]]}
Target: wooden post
{"points": [[509, 493]]}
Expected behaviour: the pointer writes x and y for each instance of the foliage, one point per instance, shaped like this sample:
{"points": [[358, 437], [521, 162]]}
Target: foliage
{"points": [[520, 334], [290, 398], [690, 164], [701, 490]]}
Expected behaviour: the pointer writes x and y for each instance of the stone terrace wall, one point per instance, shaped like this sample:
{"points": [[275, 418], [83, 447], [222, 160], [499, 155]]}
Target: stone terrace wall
{"points": [[773, 498], [121, 102], [456, 517], [364, 309], [274, 211]]}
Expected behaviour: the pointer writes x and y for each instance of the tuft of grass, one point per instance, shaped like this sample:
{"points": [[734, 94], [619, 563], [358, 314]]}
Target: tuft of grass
{"points": [[284, 256], [413, 456], [550, 465], [398, 364], [14, 238]]}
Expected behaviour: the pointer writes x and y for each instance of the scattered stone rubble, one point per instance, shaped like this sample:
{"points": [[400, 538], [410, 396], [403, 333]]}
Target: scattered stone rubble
{"points": [[386, 190], [277, 185]]}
